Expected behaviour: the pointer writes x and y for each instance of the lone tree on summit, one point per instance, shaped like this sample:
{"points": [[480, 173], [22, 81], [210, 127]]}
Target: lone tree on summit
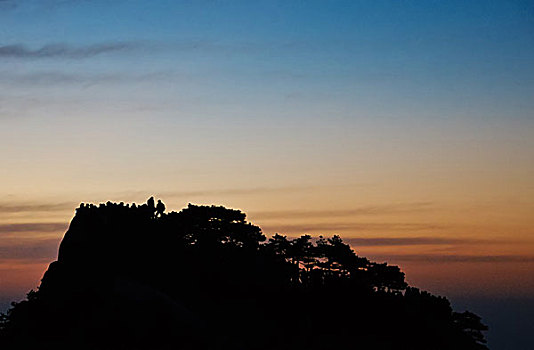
{"points": [[135, 277]]}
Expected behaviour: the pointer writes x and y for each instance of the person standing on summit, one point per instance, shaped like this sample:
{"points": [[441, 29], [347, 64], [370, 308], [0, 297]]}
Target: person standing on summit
{"points": [[151, 206], [160, 208]]}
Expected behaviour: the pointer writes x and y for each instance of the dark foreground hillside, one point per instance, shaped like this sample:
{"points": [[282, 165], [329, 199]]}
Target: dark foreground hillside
{"points": [[133, 277]]}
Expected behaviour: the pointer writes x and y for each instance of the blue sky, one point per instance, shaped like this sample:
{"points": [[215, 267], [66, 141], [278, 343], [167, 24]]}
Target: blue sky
{"points": [[280, 83], [418, 58]]}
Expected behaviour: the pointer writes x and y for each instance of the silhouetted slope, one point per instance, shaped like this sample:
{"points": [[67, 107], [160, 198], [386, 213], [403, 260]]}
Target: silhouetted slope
{"points": [[133, 277]]}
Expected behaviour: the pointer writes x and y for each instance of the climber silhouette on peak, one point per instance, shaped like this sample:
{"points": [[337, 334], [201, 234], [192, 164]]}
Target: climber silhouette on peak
{"points": [[150, 203], [160, 208]]}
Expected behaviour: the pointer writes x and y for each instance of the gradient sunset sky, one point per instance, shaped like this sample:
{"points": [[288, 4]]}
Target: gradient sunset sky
{"points": [[406, 127]]}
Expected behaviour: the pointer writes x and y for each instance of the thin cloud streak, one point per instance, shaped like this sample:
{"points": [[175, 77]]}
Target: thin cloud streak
{"points": [[8, 5], [37, 207], [367, 210], [335, 227], [65, 50], [33, 227], [210, 47], [225, 192], [11, 264], [45, 79], [34, 250], [39, 4], [434, 258], [409, 241]]}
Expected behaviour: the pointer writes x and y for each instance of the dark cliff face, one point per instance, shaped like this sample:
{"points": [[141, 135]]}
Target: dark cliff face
{"points": [[134, 277]]}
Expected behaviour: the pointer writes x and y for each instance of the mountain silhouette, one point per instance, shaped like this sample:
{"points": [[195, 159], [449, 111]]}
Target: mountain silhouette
{"points": [[135, 277]]}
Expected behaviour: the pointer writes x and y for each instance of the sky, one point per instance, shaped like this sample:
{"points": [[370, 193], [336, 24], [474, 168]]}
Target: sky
{"points": [[406, 127]]}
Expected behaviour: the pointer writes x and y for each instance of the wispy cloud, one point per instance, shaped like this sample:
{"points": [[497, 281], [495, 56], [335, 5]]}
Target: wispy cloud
{"points": [[406, 241], [45, 79], [342, 227], [34, 250], [8, 5], [435, 258], [220, 192], [198, 46], [65, 50], [34, 227], [366, 210], [35, 207], [38, 4]]}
